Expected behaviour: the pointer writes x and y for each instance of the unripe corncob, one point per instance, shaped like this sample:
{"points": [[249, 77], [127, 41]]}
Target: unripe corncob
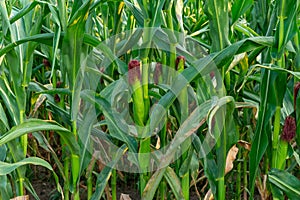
{"points": [[287, 135], [134, 80], [180, 62]]}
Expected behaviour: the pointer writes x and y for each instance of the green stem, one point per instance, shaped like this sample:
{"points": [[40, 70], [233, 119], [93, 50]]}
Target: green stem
{"points": [[172, 38], [162, 189], [221, 157], [163, 141], [276, 137], [145, 140], [185, 182], [21, 187], [114, 184], [221, 188], [24, 142], [66, 182], [184, 109], [89, 186], [75, 166], [144, 158], [227, 80], [281, 25]]}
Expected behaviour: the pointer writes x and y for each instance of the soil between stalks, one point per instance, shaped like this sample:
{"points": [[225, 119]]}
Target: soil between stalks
{"points": [[45, 187]]}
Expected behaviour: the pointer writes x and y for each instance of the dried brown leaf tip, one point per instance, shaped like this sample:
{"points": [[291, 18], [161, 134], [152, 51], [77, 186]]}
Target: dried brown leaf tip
{"points": [[125, 197], [289, 129], [296, 90], [134, 72], [231, 156], [245, 144]]}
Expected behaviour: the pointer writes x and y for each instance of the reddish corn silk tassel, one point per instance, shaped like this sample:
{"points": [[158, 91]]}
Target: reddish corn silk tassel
{"points": [[157, 73], [56, 98], [296, 90], [180, 62], [46, 63], [59, 84], [289, 129], [134, 73]]}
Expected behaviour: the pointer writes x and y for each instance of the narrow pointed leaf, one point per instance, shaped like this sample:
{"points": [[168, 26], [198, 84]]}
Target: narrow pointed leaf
{"points": [[286, 182]]}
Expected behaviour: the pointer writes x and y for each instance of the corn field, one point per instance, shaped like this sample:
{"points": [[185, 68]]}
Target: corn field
{"points": [[143, 99]]}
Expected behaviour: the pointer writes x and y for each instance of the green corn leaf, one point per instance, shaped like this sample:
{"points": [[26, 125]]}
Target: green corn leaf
{"points": [[5, 188], [62, 10], [217, 12], [286, 182], [102, 180], [84, 132], [45, 38], [34, 28], [260, 142], [56, 38], [80, 9], [105, 107], [103, 177], [185, 167], [287, 26], [3, 151], [136, 12], [73, 54], [210, 170], [7, 168], [15, 71], [174, 183], [33, 125], [43, 142], [191, 124], [273, 90], [276, 192], [30, 189], [3, 117], [21, 13], [202, 66], [239, 8], [153, 184], [9, 100], [157, 13], [6, 25]]}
